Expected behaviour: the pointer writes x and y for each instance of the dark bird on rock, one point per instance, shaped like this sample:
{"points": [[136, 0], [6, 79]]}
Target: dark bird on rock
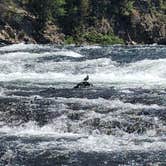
{"points": [[84, 84], [86, 78]]}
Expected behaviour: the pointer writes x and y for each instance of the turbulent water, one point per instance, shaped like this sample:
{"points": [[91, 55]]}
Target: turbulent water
{"points": [[121, 120]]}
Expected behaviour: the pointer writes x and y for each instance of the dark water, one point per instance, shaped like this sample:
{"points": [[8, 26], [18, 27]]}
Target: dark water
{"points": [[121, 120]]}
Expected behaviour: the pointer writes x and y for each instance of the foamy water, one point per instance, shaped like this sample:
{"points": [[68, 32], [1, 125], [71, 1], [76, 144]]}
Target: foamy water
{"points": [[124, 111], [56, 66]]}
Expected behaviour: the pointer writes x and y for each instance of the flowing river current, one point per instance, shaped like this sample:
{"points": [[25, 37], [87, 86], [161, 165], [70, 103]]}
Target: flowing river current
{"points": [[121, 120]]}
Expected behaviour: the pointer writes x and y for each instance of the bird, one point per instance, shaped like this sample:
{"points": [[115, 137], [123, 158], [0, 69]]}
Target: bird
{"points": [[86, 78]]}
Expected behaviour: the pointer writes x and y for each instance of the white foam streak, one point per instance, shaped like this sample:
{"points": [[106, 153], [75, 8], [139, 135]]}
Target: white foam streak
{"points": [[145, 71], [91, 47], [96, 143], [23, 46], [105, 143], [113, 104], [32, 129], [34, 77], [26, 55], [68, 53]]}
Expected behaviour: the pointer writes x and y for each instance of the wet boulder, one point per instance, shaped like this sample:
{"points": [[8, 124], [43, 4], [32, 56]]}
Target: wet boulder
{"points": [[83, 84]]}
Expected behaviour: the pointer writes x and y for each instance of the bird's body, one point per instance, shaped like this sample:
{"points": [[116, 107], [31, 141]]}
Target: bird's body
{"points": [[86, 78]]}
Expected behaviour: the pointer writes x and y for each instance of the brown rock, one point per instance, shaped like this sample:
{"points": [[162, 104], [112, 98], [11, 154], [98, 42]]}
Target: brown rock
{"points": [[51, 33]]}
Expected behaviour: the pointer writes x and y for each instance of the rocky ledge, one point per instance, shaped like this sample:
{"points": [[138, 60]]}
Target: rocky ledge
{"points": [[18, 25]]}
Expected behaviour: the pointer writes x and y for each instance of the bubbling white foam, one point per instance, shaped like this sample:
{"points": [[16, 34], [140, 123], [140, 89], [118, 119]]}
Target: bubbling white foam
{"points": [[28, 66], [24, 47], [86, 143]]}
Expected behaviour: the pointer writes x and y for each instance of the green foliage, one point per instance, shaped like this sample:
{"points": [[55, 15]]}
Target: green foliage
{"points": [[84, 7], [93, 38], [46, 10], [78, 18], [128, 8], [100, 8], [69, 40], [58, 8], [163, 5], [18, 18]]}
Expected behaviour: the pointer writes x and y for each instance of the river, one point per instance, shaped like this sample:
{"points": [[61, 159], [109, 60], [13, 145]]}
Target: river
{"points": [[121, 120]]}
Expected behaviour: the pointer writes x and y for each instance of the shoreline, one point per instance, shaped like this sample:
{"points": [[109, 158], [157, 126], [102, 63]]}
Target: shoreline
{"points": [[2, 44]]}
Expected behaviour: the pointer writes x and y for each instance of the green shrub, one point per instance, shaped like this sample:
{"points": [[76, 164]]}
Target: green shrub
{"points": [[98, 38], [163, 5], [69, 40]]}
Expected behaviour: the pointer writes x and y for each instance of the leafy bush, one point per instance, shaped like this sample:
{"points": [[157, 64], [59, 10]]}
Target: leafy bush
{"points": [[69, 40], [99, 38]]}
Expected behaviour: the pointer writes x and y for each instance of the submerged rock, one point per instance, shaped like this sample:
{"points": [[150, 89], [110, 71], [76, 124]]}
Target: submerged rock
{"points": [[83, 84]]}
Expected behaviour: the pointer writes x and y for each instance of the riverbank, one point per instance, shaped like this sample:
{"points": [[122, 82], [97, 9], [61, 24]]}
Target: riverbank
{"points": [[134, 23]]}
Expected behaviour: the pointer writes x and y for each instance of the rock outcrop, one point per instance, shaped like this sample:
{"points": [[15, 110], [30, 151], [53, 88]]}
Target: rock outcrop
{"points": [[148, 28], [19, 25]]}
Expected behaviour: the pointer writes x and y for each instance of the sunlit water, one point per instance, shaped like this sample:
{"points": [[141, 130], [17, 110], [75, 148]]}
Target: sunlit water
{"points": [[121, 120]]}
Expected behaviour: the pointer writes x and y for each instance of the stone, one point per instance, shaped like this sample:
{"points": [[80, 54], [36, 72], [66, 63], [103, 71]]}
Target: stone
{"points": [[83, 84]]}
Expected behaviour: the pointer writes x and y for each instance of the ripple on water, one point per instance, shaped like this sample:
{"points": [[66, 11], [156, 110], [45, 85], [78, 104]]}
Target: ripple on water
{"points": [[121, 120]]}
